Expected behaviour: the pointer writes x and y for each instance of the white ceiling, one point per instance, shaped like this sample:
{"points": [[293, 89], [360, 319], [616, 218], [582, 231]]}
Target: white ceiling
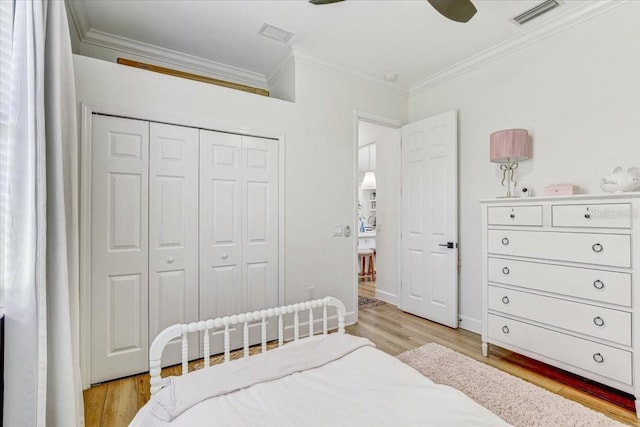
{"points": [[369, 37]]}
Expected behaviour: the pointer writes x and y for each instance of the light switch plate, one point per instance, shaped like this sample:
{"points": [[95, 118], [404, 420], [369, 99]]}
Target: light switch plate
{"points": [[337, 230]]}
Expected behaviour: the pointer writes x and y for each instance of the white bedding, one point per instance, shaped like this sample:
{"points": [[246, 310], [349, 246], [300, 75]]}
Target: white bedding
{"points": [[366, 387]]}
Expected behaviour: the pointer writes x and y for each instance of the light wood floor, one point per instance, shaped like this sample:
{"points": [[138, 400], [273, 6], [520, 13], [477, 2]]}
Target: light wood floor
{"points": [[115, 403]]}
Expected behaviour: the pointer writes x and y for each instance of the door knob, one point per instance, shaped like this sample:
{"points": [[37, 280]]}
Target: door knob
{"points": [[170, 260], [449, 245], [225, 255]]}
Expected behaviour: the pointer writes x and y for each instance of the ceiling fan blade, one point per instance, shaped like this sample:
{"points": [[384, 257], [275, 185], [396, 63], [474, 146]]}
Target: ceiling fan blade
{"points": [[319, 2], [456, 10]]}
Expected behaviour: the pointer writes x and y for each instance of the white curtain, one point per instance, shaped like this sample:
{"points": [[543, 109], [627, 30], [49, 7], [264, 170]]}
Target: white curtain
{"points": [[42, 378]]}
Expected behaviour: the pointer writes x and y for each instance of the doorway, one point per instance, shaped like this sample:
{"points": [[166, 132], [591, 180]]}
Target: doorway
{"points": [[378, 210], [413, 234]]}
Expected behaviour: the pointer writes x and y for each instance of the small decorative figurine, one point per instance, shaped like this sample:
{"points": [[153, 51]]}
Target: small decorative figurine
{"points": [[621, 181]]}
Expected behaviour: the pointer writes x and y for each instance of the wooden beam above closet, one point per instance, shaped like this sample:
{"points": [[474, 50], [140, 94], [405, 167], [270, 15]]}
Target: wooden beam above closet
{"points": [[190, 76]]}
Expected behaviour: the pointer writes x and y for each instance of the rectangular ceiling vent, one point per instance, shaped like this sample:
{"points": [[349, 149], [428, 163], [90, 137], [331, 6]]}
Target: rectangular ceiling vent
{"points": [[536, 11], [275, 33]]}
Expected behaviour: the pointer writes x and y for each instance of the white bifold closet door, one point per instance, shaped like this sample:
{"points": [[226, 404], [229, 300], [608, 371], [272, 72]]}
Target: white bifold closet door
{"points": [[119, 247], [184, 226], [173, 233], [144, 241], [238, 228]]}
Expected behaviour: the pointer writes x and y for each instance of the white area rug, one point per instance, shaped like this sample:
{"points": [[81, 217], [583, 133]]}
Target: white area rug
{"points": [[516, 401]]}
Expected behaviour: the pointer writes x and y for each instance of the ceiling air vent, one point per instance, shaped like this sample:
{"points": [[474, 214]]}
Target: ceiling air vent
{"points": [[275, 33], [536, 11]]}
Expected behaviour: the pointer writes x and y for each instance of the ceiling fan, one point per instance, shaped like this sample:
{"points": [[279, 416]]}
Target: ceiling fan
{"points": [[456, 10]]}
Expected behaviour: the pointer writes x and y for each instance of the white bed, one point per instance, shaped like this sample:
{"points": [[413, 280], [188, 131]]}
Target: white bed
{"points": [[349, 383]]}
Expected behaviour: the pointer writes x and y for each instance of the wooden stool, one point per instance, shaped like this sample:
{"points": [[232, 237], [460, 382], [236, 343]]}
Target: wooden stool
{"points": [[363, 255]]}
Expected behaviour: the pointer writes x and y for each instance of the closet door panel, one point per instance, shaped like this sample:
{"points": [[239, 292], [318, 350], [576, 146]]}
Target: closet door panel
{"points": [[220, 224], [173, 233], [119, 247], [260, 222]]}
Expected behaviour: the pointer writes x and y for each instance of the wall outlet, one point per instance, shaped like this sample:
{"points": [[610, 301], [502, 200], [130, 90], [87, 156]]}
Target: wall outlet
{"points": [[311, 292]]}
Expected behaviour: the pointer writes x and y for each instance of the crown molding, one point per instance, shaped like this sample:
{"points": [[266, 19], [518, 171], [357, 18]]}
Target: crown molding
{"points": [[563, 22], [79, 16], [178, 59], [302, 57], [155, 53], [281, 66]]}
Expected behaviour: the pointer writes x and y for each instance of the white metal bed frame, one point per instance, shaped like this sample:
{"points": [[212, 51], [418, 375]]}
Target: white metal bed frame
{"points": [[183, 329]]}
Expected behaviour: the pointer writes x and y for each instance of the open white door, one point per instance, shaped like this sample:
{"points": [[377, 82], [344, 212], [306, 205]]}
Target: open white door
{"points": [[430, 219]]}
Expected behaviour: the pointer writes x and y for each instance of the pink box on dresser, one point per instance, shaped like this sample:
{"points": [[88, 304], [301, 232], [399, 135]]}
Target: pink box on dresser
{"points": [[560, 190]]}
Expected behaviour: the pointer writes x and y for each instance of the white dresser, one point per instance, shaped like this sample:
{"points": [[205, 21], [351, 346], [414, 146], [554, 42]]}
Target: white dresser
{"points": [[561, 283]]}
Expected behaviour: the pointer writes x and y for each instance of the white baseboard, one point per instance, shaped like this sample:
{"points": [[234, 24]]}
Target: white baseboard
{"points": [[387, 297], [350, 318], [470, 324]]}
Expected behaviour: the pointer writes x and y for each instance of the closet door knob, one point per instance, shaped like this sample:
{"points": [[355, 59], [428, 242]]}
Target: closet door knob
{"points": [[505, 300], [505, 329], [597, 247], [512, 216], [598, 358], [598, 284], [505, 270], [225, 255], [598, 321], [505, 241], [170, 260], [587, 216]]}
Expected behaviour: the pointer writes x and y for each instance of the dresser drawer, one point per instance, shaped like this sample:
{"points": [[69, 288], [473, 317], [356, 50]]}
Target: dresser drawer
{"points": [[514, 215], [589, 248], [599, 322], [597, 285], [584, 354], [610, 215]]}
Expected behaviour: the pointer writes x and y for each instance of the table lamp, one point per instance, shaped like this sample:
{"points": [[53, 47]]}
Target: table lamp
{"points": [[508, 147]]}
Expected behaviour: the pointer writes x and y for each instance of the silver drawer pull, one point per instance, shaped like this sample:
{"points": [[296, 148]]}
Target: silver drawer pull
{"points": [[505, 241], [598, 358], [598, 284], [587, 216], [505, 329], [598, 321], [512, 216], [597, 247], [505, 300], [505, 270]]}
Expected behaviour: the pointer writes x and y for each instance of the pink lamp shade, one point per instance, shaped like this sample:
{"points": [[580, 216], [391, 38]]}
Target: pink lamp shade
{"points": [[510, 145]]}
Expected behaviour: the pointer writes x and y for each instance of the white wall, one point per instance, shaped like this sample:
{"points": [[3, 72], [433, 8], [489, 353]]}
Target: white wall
{"points": [[320, 131], [283, 85], [578, 94]]}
